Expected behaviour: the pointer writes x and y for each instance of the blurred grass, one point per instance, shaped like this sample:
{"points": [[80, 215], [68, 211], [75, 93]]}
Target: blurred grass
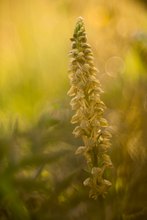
{"points": [[34, 45]]}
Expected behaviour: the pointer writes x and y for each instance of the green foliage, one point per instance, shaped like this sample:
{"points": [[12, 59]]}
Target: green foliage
{"points": [[40, 176]]}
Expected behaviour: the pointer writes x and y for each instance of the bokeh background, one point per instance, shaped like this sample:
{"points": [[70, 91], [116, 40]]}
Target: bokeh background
{"points": [[40, 177]]}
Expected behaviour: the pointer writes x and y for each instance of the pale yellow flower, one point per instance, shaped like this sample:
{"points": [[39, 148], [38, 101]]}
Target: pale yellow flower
{"points": [[86, 102]]}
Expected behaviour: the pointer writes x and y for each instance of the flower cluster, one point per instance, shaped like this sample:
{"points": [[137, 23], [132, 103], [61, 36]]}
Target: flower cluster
{"points": [[92, 127]]}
